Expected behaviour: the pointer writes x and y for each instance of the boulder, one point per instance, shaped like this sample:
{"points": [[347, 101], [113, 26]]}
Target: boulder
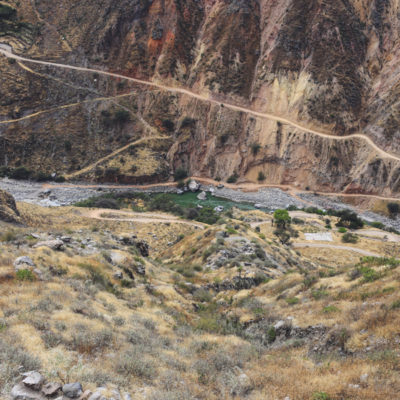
{"points": [[140, 269], [22, 392], [51, 389], [85, 395], [55, 244], [8, 208], [23, 262], [72, 390], [193, 186], [202, 196], [97, 395], [117, 257], [33, 380], [118, 275]]}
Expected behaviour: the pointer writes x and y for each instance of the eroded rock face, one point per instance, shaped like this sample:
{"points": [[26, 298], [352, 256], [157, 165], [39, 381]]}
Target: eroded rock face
{"points": [[8, 208], [330, 66]]}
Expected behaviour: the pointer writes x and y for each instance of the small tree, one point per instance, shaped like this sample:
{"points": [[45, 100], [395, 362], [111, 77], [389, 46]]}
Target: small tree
{"points": [[261, 176], [233, 178], [282, 218]]}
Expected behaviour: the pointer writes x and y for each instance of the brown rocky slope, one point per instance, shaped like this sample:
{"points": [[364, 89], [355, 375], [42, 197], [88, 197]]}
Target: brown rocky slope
{"points": [[332, 68]]}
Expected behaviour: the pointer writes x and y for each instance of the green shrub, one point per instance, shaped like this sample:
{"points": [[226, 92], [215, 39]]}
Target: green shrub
{"points": [[319, 293], [342, 230], [233, 178], [261, 177], [20, 173], [369, 274], [349, 238], [395, 305], [378, 261], [59, 179], [132, 363], [292, 301], [86, 341], [271, 334], [42, 176], [25, 275], [377, 225], [330, 309], [321, 396], [310, 280], [349, 219], [180, 174]]}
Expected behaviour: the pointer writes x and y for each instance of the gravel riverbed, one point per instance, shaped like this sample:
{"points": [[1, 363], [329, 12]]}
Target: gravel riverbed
{"points": [[56, 195]]}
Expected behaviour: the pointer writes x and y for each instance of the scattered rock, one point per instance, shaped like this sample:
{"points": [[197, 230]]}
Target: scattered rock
{"points": [[279, 324], [117, 258], [96, 395], [33, 380], [118, 275], [44, 193], [141, 269], [22, 392], [193, 186], [202, 196], [219, 209], [72, 390], [55, 244], [86, 395], [23, 262], [51, 389]]}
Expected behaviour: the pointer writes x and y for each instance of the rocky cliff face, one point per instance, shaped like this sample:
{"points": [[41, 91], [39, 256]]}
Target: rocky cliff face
{"points": [[329, 66]]}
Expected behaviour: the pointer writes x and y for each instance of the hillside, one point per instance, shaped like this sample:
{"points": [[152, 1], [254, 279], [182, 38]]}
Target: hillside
{"points": [[220, 311], [304, 74]]}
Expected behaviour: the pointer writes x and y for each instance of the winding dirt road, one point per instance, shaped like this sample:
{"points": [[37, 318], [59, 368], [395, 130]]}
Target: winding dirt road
{"points": [[335, 247], [327, 135], [113, 154], [105, 214]]}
